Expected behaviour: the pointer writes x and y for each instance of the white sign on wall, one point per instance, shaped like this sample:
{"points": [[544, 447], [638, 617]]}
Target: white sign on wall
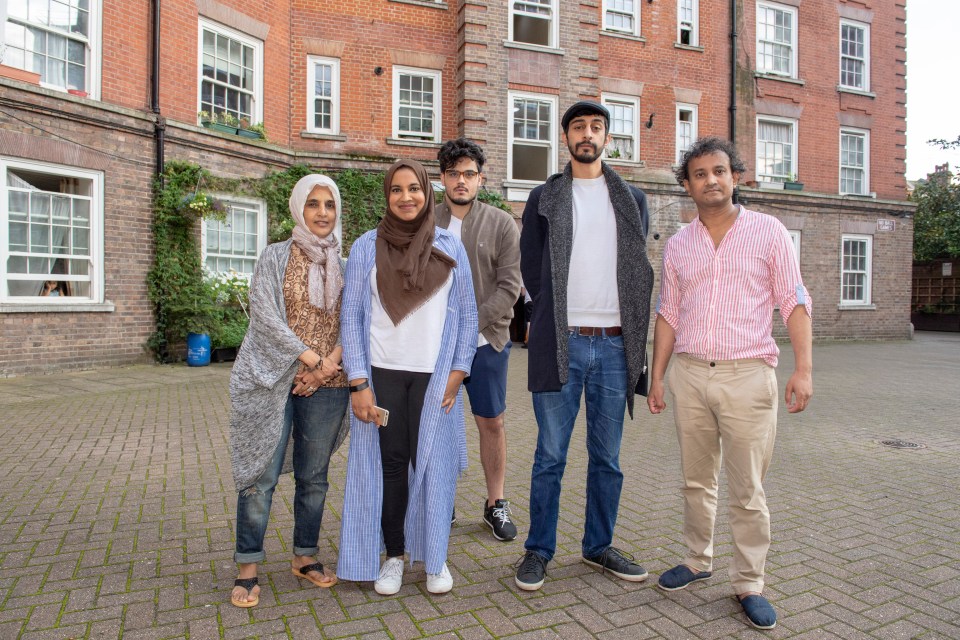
{"points": [[886, 225]]}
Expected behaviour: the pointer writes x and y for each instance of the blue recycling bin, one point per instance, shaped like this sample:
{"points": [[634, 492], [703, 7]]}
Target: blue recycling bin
{"points": [[198, 349]]}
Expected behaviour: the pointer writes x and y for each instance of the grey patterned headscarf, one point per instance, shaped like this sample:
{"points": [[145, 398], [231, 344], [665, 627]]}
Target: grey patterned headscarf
{"points": [[326, 278]]}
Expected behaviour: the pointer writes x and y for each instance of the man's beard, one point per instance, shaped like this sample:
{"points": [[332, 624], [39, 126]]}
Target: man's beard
{"points": [[586, 156], [461, 200]]}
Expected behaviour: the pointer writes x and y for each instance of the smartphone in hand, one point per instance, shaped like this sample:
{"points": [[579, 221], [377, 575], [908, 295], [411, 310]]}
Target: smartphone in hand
{"points": [[383, 415]]}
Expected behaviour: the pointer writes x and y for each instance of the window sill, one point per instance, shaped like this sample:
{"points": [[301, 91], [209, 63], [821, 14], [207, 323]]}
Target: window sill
{"points": [[622, 35], [779, 78], [519, 191], [334, 137], [427, 144], [857, 307], [425, 3], [856, 92], [510, 44], [861, 196], [79, 307], [688, 47], [638, 164]]}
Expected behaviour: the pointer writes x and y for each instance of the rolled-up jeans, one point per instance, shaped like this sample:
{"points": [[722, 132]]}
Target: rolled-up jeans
{"points": [[315, 422], [598, 372]]}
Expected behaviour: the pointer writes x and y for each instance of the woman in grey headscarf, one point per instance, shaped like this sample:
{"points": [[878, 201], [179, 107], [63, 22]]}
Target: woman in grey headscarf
{"points": [[287, 386]]}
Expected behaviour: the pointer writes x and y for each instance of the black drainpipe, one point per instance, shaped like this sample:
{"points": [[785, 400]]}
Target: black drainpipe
{"points": [[733, 82], [733, 71], [159, 125]]}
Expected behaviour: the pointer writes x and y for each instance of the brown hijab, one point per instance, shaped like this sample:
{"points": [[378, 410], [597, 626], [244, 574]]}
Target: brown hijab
{"points": [[409, 268]]}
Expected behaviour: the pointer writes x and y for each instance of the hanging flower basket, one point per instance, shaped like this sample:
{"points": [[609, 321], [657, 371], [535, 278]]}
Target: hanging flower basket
{"points": [[203, 206]]}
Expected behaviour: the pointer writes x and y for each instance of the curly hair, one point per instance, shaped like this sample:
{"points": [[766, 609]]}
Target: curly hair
{"points": [[453, 151], [706, 146]]}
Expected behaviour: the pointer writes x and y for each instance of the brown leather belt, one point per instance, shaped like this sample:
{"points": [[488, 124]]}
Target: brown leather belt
{"points": [[597, 331]]}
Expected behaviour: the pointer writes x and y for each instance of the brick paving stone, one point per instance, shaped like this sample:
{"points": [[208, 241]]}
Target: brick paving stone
{"points": [[538, 634], [641, 631], [496, 622], [474, 633]]}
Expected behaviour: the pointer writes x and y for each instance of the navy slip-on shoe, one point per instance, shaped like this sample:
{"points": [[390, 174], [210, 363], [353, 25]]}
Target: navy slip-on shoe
{"points": [[680, 577], [759, 612]]}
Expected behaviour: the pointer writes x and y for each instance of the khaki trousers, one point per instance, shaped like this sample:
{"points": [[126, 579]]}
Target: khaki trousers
{"points": [[726, 410]]}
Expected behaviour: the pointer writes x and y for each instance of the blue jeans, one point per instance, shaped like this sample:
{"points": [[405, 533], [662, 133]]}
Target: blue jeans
{"points": [[598, 371], [314, 422]]}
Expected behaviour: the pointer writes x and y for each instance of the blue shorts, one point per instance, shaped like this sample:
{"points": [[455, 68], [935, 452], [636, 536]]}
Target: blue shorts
{"points": [[487, 384]]}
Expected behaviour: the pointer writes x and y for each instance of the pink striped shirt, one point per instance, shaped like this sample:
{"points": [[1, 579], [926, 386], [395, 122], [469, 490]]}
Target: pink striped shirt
{"points": [[720, 301]]}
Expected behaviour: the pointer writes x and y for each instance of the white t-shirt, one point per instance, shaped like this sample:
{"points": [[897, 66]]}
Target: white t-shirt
{"points": [[414, 344], [592, 297]]}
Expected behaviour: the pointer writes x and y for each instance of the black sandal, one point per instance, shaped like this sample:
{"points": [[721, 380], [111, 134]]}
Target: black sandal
{"points": [[248, 584], [318, 567]]}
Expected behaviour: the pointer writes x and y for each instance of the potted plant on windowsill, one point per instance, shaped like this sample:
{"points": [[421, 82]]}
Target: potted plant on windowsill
{"points": [[219, 121], [255, 131], [793, 184]]}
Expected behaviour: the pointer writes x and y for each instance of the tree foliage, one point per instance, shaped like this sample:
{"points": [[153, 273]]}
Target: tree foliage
{"points": [[946, 145], [936, 223]]}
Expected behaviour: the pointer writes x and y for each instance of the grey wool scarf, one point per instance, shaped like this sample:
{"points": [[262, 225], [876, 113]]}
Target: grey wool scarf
{"points": [[634, 273]]}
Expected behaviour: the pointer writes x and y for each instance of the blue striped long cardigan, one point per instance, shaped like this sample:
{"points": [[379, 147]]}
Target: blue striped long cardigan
{"points": [[441, 449]]}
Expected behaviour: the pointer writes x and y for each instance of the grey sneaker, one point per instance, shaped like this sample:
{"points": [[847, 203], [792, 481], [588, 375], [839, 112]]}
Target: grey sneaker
{"points": [[498, 517], [619, 564], [531, 570]]}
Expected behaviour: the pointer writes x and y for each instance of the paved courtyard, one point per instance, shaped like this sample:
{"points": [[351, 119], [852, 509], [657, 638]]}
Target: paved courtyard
{"points": [[117, 513]]}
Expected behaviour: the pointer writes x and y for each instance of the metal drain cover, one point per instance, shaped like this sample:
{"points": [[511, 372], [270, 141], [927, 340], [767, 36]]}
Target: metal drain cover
{"points": [[902, 444]]}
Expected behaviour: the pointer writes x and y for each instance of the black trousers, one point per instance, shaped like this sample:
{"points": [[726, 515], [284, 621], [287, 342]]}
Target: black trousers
{"points": [[401, 393]]}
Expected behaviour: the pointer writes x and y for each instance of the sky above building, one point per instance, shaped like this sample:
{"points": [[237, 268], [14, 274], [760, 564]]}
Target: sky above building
{"points": [[933, 93]]}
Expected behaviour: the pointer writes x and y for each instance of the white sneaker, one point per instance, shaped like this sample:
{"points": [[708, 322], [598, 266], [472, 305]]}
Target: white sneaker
{"points": [[440, 582], [391, 577]]}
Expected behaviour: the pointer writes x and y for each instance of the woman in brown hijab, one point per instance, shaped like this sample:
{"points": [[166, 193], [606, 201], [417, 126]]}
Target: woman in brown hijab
{"points": [[409, 324]]}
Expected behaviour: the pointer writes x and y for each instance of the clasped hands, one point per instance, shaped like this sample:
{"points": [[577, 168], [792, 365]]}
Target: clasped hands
{"points": [[307, 382]]}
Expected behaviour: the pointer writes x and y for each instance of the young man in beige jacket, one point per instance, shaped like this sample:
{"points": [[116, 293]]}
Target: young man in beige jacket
{"points": [[492, 240]]}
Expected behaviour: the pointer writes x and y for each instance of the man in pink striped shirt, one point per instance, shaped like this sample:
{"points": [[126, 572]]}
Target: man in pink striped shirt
{"points": [[723, 276]]}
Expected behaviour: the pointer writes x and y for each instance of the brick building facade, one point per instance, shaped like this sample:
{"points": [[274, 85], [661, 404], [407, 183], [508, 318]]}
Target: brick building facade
{"points": [[815, 89]]}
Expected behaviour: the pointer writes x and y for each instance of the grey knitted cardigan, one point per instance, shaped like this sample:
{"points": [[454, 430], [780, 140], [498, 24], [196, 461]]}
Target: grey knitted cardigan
{"points": [[545, 247], [263, 374]]}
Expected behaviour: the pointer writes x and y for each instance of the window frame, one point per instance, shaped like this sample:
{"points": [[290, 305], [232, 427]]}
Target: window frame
{"points": [[866, 54], [334, 63], [794, 39], [865, 135], [437, 76], [93, 43], [796, 236], [248, 203], [608, 99], [685, 106], [635, 15], [96, 238], [867, 272], [552, 144], [256, 117], [794, 166], [694, 25], [553, 29]]}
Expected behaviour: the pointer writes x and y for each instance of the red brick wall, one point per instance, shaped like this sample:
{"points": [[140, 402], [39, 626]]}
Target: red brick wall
{"points": [[823, 105]]}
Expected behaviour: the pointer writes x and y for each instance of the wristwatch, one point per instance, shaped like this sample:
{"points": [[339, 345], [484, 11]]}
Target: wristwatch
{"points": [[360, 387]]}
